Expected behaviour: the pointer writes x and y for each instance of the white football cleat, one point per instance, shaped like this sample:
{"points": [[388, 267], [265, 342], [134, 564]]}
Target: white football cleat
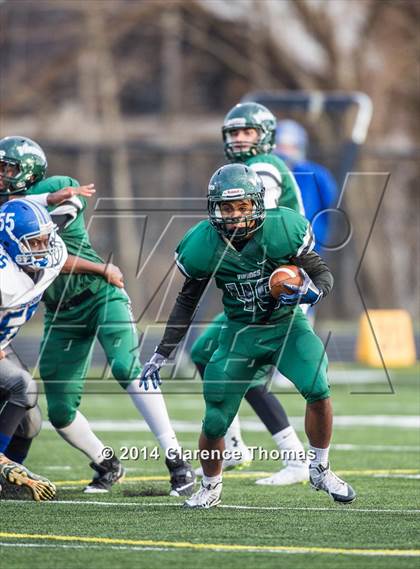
{"points": [[322, 478], [293, 473], [208, 496]]}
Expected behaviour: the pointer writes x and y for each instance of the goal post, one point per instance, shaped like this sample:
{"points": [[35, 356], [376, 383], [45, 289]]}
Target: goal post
{"points": [[313, 106]]}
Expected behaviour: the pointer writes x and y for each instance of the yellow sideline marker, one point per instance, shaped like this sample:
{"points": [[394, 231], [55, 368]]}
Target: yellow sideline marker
{"points": [[215, 546], [392, 332]]}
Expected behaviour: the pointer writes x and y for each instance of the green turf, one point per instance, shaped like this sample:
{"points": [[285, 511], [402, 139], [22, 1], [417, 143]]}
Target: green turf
{"points": [[147, 513]]}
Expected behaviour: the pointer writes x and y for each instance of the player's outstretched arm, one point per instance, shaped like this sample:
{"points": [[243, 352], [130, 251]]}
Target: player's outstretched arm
{"points": [[60, 196], [111, 273], [178, 323], [56, 198], [65, 201]]}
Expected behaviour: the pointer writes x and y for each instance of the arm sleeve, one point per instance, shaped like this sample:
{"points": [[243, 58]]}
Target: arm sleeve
{"points": [[317, 269], [62, 221], [66, 212], [40, 199], [181, 315]]}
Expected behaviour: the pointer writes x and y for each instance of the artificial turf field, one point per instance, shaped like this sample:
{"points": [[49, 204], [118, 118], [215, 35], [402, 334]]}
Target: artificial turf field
{"points": [[375, 447]]}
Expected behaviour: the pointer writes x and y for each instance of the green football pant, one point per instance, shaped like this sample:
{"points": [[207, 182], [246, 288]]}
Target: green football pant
{"points": [[291, 346], [207, 343], [67, 345]]}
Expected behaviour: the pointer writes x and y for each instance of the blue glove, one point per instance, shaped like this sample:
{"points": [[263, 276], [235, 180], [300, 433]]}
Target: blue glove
{"points": [[306, 293], [151, 371]]}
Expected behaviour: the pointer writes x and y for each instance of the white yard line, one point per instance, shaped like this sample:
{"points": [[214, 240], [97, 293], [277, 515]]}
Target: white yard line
{"points": [[338, 509], [376, 448], [75, 546], [393, 421], [228, 548], [406, 476]]}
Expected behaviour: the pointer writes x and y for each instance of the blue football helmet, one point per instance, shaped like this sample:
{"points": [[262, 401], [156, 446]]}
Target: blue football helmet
{"points": [[22, 220], [292, 135]]}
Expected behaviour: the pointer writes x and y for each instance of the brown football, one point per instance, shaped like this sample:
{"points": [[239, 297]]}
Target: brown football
{"points": [[286, 274]]}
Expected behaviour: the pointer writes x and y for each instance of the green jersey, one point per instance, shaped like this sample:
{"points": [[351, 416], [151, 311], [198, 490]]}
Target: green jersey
{"points": [[76, 238], [280, 185], [243, 275]]}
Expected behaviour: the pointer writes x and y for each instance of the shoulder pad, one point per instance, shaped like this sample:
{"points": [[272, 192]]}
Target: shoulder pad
{"points": [[195, 254], [14, 284], [287, 234]]}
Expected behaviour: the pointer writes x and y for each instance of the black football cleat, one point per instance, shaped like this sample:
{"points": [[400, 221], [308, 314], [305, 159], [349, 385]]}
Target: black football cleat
{"points": [[108, 473], [182, 477]]}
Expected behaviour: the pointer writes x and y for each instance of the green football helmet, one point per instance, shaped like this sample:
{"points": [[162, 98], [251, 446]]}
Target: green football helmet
{"points": [[235, 182], [22, 164], [249, 115]]}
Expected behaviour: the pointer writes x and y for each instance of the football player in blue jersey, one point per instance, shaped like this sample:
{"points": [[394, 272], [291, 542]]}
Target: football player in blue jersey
{"points": [[317, 185], [31, 257]]}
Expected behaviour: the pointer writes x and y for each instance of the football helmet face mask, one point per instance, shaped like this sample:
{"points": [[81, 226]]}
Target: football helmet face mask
{"points": [[22, 164], [235, 182], [245, 116], [21, 221]]}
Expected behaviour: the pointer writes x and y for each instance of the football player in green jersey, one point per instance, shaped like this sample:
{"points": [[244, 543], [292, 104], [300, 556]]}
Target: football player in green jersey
{"points": [[249, 138], [81, 308], [240, 245]]}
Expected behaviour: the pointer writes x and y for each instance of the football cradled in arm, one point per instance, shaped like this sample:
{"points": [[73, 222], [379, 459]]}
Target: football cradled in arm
{"points": [[305, 293]]}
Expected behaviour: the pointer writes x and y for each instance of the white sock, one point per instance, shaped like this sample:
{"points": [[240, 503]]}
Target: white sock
{"points": [[80, 436], [320, 455], [287, 439], [211, 479], [233, 435], [151, 405]]}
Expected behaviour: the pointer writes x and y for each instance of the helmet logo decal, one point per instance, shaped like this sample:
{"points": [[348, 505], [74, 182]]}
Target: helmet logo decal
{"points": [[262, 115], [233, 193], [28, 149], [236, 122]]}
